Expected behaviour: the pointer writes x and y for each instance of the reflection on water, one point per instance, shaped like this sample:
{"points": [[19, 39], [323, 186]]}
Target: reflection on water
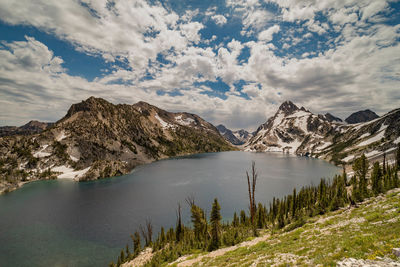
{"points": [[63, 223]]}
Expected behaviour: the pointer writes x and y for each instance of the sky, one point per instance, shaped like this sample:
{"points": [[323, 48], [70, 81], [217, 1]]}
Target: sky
{"points": [[231, 62]]}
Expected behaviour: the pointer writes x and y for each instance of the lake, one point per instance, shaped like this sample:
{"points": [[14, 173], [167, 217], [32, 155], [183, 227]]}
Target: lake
{"points": [[64, 223]]}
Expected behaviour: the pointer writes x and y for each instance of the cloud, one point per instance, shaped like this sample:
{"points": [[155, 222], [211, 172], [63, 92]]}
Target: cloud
{"points": [[267, 35], [136, 31], [355, 67], [219, 19]]}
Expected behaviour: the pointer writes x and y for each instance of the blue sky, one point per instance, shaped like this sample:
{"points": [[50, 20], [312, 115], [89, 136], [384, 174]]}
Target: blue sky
{"points": [[231, 62]]}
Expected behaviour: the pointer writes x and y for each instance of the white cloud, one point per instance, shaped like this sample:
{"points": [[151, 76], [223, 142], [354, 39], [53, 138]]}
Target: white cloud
{"points": [[136, 31], [361, 69], [219, 19], [267, 35]]}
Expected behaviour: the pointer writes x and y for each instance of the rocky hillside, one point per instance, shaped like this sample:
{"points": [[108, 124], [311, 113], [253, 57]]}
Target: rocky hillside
{"points": [[362, 235], [234, 137], [97, 139], [32, 127], [298, 131], [361, 116]]}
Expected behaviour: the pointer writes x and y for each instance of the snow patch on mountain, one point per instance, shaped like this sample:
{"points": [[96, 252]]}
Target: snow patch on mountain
{"points": [[185, 122], [373, 139], [298, 131], [164, 124], [41, 153], [61, 136]]}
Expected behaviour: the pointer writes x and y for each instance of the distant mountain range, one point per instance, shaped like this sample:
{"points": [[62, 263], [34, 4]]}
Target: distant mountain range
{"points": [[97, 139], [298, 131], [31, 127], [361, 116], [234, 137]]}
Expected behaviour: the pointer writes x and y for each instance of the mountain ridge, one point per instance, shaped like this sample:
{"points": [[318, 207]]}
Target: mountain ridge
{"points": [[237, 138], [361, 116], [298, 131], [98, 139], [32, 127]]}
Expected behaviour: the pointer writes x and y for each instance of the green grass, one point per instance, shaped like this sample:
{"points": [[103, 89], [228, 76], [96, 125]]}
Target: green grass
{"points": [[366, 232]]}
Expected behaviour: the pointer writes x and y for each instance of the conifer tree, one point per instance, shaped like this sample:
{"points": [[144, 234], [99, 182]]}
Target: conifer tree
{"points": [[162, 236], [235, 221], [384, 164], [136, 243], [360, 167], [122, 256], [376, 179], [243, 217], [179, 225], [215, 219], [398, 158], [251, 183], [294, 204], [260, 216], [198, 219], [128, 253], [344, 175]]}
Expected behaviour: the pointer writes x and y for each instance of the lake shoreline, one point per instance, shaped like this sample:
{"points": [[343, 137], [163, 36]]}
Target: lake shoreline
{"points": [[88, 217], [14, 187]]}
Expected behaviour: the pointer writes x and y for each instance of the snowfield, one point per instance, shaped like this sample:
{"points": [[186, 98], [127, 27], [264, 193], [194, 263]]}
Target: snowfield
{"points": [[68, 172], [184, 122]]}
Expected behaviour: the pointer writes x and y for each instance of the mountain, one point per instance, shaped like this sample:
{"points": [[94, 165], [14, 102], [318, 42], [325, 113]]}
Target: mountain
{"points": [[361, 116], [298, 131], [332, 118], [98, 139], [31, 127], [234, 137]]}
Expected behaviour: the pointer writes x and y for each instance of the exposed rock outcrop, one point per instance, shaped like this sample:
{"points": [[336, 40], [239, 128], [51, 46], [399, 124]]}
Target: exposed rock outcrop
{"points": [[298, 131], [234, 137], [361, 116], [98, 139]]}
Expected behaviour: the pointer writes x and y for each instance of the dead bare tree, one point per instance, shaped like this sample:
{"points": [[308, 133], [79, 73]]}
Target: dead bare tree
{"points": [[147, 232], [251, 184], [190, 200]]}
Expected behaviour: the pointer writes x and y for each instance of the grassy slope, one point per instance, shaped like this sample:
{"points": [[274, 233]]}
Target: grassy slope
{"points": [[368, 231]]}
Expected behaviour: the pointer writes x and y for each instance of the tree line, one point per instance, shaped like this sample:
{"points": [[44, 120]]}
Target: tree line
{"points": [[285, 213]]}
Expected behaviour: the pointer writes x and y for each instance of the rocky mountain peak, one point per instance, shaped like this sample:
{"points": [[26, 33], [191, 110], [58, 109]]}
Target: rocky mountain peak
{"points": [[91, 104], [332, 118], [288, 107], [221, 128], [361, 116], [35, 125], [238, 137]]}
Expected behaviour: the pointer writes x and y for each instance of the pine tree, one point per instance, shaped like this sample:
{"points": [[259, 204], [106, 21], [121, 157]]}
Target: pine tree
{"points": [[243, 217], [179, 225], [251, 190], [376, 179], [215, 219], [384, 164], [294, 204], [136, 243], [360, 167], [260, 216], [122, 256], [199, 221], [162, 236], [128, 253], [235, 221], [281, 215], [398, 158], [396, 180]]}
